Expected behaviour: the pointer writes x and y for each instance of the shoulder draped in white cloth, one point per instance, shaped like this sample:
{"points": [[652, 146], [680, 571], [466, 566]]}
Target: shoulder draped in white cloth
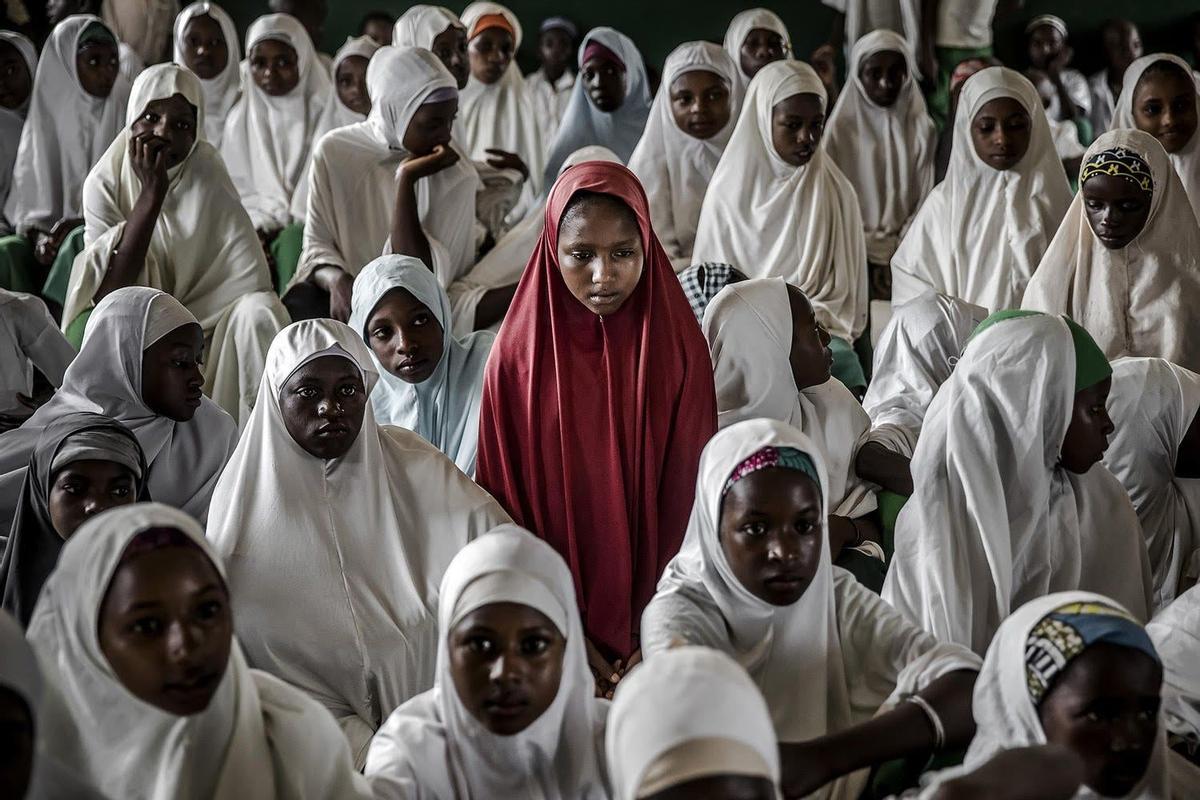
{"points": [[1176, 635], [421, 24], [367, 535], [258, 737], [433, 748], [1119, 295], [65, 132], [12, 120], [816, 239], [740, 27], [864, 17], [981, 232], [887, 153], [994, 519], [221, 92], [674, 166]]}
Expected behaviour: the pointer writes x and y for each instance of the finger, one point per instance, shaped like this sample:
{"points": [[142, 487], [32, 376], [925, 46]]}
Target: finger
{"points": [[634, 660], [600, 663]]}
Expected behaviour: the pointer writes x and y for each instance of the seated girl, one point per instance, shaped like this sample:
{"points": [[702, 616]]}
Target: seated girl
{"points": [[18, 57], [29, 340], [161, 212], [775, 176], [982, 231], [756, 37], [1051, 56], [430, 381], [1010, 501], [549, 87], [690, 123], [369, 516], [206, 42], [512, 712], [1129, 246], [609, 104], [83, 464], [849, 682], [135, 627], [139, 365], [664, 745]]}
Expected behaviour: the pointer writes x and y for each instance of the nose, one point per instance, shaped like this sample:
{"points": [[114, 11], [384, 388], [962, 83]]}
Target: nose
{"points": [[503, 670], [823, 335], [182, 643], [405, 342], [201, 50], [329, 408], [1106, 424], [783, 548], [93, 504], [604, 271]]}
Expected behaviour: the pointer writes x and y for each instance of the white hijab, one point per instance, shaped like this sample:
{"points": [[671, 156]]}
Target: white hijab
{"points": [[336, 114], [1176, 635], [268, 140], [748, 326], [368, 535], [252, 741], [740, 27], [584, 124], [994, 519], [1187, 161], [65, 132], [220, 93], [185, 458], [981, 232], [421, 24], [864, 17], [659, 736], [1152, 404], [887, 154], [674, 166], [12, 120], [444, 408], [817, 241], [1118, 295], [433, 748]]}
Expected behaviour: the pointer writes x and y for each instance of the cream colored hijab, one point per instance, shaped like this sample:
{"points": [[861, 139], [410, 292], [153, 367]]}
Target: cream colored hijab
{"points": [[421, 24], [220, 93], [1119, 295], [740, 27], [982, 232], [817, 244], [337, 114]]}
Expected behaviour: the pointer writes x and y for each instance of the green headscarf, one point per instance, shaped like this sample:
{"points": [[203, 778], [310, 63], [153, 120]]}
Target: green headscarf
{"points": [[94, 33], [1091, 365]]}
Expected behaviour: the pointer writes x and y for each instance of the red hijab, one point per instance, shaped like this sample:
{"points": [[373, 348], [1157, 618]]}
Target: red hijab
{"points": [[591, 427]]}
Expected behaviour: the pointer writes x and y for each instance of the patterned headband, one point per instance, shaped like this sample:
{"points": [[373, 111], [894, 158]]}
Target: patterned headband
{"points": [[768, 457], [1120, 162]]}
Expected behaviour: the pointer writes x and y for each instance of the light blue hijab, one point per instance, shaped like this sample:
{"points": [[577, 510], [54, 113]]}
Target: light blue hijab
{"points": [[443, 409]]}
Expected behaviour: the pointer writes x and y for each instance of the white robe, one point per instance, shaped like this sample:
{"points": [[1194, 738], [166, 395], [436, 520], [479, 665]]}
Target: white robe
{"points": [[1176, 635], [1103, 102], [28, 338], [223, 91], [549, 101], [994, 520], [740, 27], [981, 232], [863, 17], [816, 240], [357, 545], [12, 120]]}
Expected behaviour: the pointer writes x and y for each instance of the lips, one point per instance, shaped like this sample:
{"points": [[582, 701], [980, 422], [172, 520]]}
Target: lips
{"points": [[600, 299], [783, 580], [333, 429], [192, 689], [193, 398], [411, 366], [506, 706]]}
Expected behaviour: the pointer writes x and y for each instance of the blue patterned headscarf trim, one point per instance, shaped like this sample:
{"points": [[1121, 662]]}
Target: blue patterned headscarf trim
{"points": [[773, 457], [1119, 162]]}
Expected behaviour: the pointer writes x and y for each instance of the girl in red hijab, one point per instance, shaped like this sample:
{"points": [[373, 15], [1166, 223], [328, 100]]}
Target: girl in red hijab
{"points": [[597, 401]]}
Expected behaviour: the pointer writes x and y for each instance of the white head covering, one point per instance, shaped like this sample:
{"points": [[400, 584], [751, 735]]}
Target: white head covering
{"points": [[886, 153], [740, 27], [1118, 294], [584, 124], [1005, 715], [817, 241], [433, 747], [1152, 405], [13, 119], [1176, 635], [1187, 161], [185, 458], [221, 92], [368, 534], [994, 519], [444, 408], [655, 717], [981, 232], [421, 24], [336, 114], [66, 131], [268, 140], [866, 16], [674, 166]]}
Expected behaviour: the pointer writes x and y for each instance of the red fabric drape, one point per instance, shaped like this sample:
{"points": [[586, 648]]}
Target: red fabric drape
{"points": [[591, 428]]}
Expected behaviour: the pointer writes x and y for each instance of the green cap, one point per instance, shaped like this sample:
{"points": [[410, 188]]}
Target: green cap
{"points": [[1091, 365]]}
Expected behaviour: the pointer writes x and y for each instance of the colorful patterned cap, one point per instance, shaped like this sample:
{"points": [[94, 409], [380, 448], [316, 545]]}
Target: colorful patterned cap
{"points": [[1120, 162], [768, 457]]}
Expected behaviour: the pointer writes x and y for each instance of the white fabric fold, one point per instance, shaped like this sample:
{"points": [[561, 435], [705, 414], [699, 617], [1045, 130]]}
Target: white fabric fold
{"points": [[223, 91], [740, 27], [421, 24], [12, 120], [28, 338], [863, 17]]}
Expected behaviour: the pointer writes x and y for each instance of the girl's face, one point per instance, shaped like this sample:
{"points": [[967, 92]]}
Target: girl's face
{"points": [[166, 628], [450, 46], [1164, 106], [405, 336], [759, 48], [600, 253], [171, 122], [82, 489], [490, 53], [16, 84], [555, 49], [771, 533], [506, 661], [605, 82], [1089, 429], [1117, 209], [882, 75], [727, 787], [700, 103], [1046, 43], [1000, 133], [97, 65], [352, 84], [171, 379], [797, 124], [205, 51], [1104, 707], [810, 357], [1122, 45], [275, 67], [17, 741], [323, 404], [430, 126]]}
